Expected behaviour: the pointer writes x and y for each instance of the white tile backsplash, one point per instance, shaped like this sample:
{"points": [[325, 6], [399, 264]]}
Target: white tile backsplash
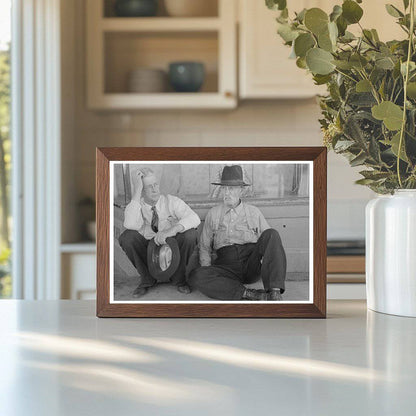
{"points": [[271, 123]]}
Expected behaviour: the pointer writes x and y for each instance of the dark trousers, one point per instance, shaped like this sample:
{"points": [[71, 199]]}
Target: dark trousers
{"points": [[135, 246], [243, 263]]}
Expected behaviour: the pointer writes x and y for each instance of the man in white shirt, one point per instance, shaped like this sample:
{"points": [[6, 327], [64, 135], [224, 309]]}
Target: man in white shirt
{"points": [[247, 248], [152, 215]]}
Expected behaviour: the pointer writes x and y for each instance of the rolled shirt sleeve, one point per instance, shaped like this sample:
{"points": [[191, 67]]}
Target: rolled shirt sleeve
{"points": [[205, 241], [133, 218], [263, 224], [186, 216]]}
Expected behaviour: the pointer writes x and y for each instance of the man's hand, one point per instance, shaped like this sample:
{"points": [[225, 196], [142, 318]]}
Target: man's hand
{"points": [[138, 185], [161, 236]]}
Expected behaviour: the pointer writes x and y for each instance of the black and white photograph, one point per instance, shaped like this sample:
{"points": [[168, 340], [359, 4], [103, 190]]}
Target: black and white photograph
{"points": [[197, 232]]}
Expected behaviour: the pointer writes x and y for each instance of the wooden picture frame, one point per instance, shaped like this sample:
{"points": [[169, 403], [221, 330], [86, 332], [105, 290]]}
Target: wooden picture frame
{"points": [[314, 308]]}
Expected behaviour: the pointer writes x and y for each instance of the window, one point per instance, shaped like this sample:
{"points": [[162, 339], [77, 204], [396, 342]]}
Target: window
{"points": [[5, 147]]}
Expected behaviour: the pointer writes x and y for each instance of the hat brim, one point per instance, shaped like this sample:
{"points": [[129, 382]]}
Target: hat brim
{"points": [[154, 266]]}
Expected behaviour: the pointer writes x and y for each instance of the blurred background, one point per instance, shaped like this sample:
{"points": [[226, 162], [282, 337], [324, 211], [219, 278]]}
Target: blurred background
{"points": [[101, 73]]}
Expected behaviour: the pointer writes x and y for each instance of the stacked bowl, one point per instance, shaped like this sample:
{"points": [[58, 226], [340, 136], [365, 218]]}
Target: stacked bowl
{"points": [[147, 80]]}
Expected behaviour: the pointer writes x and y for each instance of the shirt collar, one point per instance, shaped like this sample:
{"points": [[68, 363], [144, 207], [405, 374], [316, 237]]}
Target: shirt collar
{"points": [[157, 205], [237, 209]]}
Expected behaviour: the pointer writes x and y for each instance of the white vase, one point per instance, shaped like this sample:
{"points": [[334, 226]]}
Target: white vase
{"points": [[391, 253]]}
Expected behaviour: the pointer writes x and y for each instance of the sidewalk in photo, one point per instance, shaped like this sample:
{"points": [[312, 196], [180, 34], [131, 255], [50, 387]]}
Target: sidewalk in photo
{"points": [[124, 287]]}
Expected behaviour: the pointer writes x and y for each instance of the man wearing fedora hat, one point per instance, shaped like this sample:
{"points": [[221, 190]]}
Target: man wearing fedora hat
{"points": [[160, 235], [246, 247]]}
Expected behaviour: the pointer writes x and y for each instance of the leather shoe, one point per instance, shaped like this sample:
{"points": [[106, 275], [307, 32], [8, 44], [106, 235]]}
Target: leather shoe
{"points": [[139, 291], [184, 289], [254, 294], [274, 295]]}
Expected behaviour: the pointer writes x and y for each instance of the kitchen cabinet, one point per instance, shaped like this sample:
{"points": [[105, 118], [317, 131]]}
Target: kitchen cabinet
{"points": [[118, 45], [265, 70]]}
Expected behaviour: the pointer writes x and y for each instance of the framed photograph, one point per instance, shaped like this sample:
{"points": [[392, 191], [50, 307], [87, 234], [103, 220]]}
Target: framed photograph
{"points": [[211, 232]]}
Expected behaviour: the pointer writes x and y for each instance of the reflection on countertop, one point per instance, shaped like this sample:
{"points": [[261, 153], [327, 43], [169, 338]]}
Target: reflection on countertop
{"points": [[355, 362]]}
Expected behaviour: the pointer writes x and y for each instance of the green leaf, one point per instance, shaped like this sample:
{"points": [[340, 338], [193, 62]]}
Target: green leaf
{"points": [[325, 43], [301, 16], [276, 4], [358, 160], [363, 86], [358, 61], [412, 67], [394, 143], [368, 36], [342, 25], [319, 61], [374, 150], [316, 20], [411, 90], [286, 32], [333, 32], [375, 35], [321, 79], [336, 12], [385, 63], [351, 11], [393, 11], [343, 65], [364, 181], [361, 99], [303, 43], [390, 113], [347, 37], [301, 63], [375, 175], [343, 145]]}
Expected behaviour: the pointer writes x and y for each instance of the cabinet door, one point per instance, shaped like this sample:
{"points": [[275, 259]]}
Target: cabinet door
{"points": [[265, 68]]}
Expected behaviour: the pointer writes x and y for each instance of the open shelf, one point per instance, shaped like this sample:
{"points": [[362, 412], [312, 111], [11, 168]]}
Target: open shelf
{"points": [[160, 24], [210, 9], [127, 51], [116, 46], [165, 101]]}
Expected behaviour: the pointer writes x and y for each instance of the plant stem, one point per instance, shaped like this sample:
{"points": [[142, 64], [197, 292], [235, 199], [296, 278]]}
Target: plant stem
{"points": [[345, 75], [406, 79]]}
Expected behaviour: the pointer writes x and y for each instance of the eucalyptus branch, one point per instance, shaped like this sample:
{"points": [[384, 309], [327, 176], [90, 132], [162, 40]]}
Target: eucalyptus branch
{"points": [[406, 79], [373, 89], [345, 75]]}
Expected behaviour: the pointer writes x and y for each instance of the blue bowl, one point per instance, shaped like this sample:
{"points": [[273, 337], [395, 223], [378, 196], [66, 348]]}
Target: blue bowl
{"points": [[186, 76], [135, 8]]}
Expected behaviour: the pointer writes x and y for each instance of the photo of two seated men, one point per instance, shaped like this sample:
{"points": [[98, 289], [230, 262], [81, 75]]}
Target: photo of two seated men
{"points": [[211, 232]]}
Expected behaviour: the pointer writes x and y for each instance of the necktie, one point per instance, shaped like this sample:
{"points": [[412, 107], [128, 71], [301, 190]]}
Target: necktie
{"points": [[155, 220]]}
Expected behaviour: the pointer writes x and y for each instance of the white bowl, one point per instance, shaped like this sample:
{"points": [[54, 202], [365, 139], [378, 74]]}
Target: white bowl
{"points": [[146, 80], [191, 8]]}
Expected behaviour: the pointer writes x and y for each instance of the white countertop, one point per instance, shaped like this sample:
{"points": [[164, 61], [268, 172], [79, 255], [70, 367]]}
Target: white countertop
{"points": [[57, 358]]}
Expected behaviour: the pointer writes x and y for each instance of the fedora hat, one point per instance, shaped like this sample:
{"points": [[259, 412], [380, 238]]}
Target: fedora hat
{"points": [[163, 260], [232, 176]]}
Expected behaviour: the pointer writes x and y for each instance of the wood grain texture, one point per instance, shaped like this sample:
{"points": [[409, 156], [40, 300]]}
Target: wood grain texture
{"points": [[227, 309]]}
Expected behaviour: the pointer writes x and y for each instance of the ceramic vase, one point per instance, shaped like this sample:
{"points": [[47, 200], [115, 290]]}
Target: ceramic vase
{"points": [[391, 253]]}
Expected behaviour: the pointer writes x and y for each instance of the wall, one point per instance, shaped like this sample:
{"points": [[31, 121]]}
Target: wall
{"points": [[256, 123]]}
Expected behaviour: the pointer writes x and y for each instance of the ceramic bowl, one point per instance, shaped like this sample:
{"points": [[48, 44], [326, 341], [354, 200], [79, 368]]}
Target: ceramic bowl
{"points": [[147, 80], [135, 8], [186, 76]]}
